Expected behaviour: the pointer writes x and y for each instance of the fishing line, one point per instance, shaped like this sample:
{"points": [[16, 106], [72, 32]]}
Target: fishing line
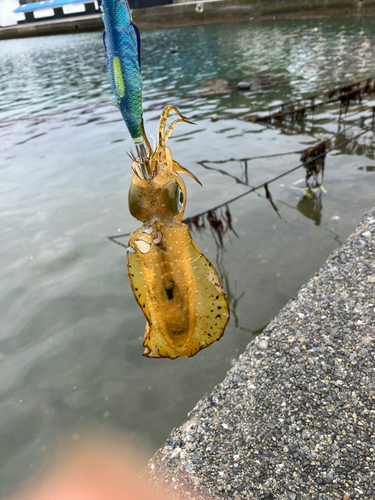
{"points": [[247, 159]]}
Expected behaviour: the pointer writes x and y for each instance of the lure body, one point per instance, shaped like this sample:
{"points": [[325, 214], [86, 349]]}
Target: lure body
{"points": [[177, 288], [122, 43]]}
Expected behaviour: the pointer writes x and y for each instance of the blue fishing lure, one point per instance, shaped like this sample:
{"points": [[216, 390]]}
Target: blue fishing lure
{"points": [[122, 44]]}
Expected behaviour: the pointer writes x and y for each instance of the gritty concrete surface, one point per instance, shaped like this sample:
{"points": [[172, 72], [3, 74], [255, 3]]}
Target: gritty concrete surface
{"points": [[295, 417]]}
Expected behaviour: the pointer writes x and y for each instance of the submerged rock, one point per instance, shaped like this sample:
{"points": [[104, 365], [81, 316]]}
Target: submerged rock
{"points": [[221, 85], [243, 85], [216, 86]]}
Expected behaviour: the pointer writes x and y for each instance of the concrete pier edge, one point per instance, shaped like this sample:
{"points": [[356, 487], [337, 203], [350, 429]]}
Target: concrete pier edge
{"points": [[294, 419]]}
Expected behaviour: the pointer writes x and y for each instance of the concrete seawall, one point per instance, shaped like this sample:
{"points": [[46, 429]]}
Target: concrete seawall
{"points": [[227, 11], [295, 417], [182, 13], [53, 27]]}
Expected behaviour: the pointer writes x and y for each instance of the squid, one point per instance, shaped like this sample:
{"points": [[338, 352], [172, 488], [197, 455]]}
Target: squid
{"points": [[177, 288], [175, 285]]}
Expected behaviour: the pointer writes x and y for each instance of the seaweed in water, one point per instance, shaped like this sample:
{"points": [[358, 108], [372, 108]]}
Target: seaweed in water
{"points": [[269, 198], [295, 111], [218, 221], [313, 160], [292, 116]]}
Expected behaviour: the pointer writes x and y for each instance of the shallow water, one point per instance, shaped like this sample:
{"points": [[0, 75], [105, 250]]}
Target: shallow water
{"points": [[71, 337]]}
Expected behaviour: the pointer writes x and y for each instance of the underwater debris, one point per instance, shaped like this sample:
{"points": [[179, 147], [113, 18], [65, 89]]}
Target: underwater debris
{"points": [[219, 222], [221, 85], [293, 116], [313, 160], [297, 109], [243, 85], [216, 86], [216, 225], [353, 95], [269, 198], [200, 218]]}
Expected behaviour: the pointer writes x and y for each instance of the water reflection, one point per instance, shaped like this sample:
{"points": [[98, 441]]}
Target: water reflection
{"points": [[60, 71], [218, 221], [243, 178], [365, 147], [311, 206], [234, 297]]}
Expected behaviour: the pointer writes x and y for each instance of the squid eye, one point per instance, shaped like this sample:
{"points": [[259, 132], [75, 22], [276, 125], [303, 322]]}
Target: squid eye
{"points": [[180, 199]]}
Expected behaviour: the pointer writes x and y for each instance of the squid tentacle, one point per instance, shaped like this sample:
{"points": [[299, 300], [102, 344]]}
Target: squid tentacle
{"points": [[171, 127], [163, 136], [174, 123]]}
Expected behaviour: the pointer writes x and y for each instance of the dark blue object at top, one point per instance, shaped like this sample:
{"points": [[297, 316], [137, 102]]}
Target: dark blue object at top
{"points": [[47, 4]]}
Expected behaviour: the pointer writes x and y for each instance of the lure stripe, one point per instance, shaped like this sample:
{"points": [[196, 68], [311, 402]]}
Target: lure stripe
{"points": [[119, 81]]}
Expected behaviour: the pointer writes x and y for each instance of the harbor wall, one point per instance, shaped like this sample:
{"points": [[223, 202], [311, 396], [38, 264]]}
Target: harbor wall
{"points": [[182, 13]]}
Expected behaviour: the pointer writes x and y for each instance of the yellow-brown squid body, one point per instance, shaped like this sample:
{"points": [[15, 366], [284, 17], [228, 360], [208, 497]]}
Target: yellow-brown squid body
{"points": [[177, 288]]}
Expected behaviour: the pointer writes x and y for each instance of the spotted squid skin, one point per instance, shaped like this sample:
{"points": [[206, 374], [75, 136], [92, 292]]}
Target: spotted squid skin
{"points": [[177, 288], [123, 61]]}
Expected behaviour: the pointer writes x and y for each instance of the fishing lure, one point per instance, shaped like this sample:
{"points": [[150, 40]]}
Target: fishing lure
{"points": [[177, 288], [122, 43]]}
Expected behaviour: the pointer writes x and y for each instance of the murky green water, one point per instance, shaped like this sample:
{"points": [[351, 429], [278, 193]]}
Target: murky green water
{"points": [[71, 336]]}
